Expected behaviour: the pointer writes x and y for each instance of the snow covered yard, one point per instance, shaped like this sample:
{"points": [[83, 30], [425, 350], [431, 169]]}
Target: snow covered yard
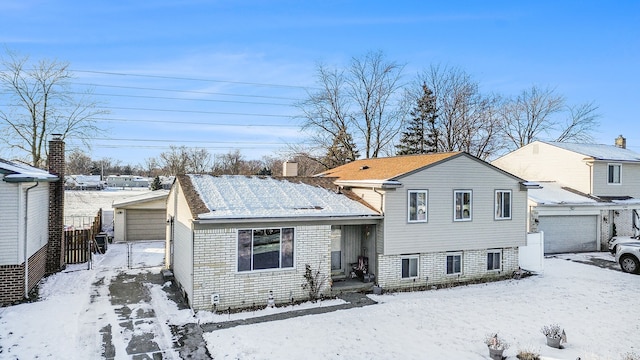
{"points": [[588, 301], [592, 305]]}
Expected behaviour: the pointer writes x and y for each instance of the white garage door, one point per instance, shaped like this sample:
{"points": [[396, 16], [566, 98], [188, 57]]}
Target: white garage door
{"points": [[563, 234], [145, 225]]}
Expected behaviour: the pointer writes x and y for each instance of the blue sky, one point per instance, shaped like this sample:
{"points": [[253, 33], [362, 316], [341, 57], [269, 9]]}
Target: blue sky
{"points": [[223, 74]]}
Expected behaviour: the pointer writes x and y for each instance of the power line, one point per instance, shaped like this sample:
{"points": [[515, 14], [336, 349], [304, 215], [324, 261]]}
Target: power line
{"points": [[196, 123], [190, 79]]}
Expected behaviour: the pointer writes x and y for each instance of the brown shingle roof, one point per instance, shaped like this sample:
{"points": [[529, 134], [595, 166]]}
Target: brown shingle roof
{"points": [[385, 168]]}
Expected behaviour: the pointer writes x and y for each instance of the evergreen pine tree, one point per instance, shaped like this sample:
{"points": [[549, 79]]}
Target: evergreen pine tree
{"points": [[156, 184], [421, 135], [342, 150]]}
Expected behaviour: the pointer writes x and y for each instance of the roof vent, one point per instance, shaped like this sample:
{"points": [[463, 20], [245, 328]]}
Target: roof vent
{"points": [[365, 167]]}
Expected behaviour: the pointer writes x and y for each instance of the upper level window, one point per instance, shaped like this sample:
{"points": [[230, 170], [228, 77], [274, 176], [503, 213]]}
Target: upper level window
{"points": [[614, 174], [417, 207], [503, 204], [260, 249], [462, 205]]}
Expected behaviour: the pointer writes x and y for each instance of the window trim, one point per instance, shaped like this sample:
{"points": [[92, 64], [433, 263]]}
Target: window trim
{"points": [[411, 257], [494, 251], [497, 215], [611, 166], [463, 219], [446, 264], [280, 253], [426, 206]]}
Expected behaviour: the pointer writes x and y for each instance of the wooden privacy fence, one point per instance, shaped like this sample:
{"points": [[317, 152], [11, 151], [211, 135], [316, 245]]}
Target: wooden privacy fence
{"points": [[79, 243]]}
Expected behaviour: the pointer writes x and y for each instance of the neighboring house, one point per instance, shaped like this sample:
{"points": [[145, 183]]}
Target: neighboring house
{"points": [[142, 217], [127, 181], [592, 192], [448, 217], [83, 182], [236, 241], [31, 205]]}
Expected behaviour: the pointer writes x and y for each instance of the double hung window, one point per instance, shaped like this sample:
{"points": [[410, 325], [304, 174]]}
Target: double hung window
{"points": [[462, 205], [503, 204], [417, 207]]}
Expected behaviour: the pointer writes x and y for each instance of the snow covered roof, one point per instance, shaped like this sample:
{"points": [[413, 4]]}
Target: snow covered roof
{"points": [[146, 197], [550, 192], [17, 172], [237, 197], [599, 151]]}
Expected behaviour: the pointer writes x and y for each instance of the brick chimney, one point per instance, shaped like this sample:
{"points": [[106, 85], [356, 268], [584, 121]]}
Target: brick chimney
{"points": [[55, 250], [289, 168], [621, 142]]}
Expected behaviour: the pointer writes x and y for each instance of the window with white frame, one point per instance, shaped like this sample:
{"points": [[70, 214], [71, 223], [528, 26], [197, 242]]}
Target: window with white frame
{"points": [[454, 264], [462, 205], [494, 260], [410, 267], [417, 206], [614, 174], [260, 249], [503, 204]]}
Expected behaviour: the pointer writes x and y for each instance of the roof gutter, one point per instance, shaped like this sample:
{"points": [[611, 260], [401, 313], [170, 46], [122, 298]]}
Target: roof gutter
{"points": [[245, 220], [26, 241], [23, 179], [380, 184]]}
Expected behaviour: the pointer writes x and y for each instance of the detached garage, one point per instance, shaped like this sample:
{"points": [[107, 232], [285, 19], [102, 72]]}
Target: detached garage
{"points": [[141, 217]]}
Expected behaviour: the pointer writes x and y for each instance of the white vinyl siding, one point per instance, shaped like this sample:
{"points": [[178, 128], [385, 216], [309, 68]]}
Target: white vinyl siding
{"points": [[443, 234], [183, 240], [629, 180], [538, 161], [12, 210], [9, 223]]}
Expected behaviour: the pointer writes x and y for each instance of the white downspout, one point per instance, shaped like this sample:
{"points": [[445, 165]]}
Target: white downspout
{"points": [[26, 251]]}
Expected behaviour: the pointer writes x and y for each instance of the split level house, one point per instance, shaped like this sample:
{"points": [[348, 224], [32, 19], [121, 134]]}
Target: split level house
{"points": [[31, 224], [401, 222], [588, 192]]}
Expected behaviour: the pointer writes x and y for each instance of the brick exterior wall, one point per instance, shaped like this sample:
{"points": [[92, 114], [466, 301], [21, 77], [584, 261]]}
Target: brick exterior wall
{"points": [[55, 253], [215, 269], [432, 269], [12, 277]]}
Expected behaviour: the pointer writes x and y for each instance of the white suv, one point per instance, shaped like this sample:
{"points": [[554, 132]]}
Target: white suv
{"points": [[616, 240], [628, 256]]}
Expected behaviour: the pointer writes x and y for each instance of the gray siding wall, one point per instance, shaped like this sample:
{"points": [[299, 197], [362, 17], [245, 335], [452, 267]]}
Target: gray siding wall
{"points": [[629, 184], [215, 268], [441, 233]]}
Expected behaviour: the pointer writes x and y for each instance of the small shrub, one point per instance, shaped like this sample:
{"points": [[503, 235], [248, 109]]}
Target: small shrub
{"points": [[315, 281], [553, 331], [528, 355], [495, 342]]}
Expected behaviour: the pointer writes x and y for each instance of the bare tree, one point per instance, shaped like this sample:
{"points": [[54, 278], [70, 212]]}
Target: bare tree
{"points": [[374, 85], [41, 103], [230, 163], [78, 163], [582, 121], [356, 107], [466, 119], [198, 161], [529, 115], [175, 160]]}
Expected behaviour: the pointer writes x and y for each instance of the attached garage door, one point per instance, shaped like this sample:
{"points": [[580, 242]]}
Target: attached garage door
{"points": [[145, 224], [563, 234]]}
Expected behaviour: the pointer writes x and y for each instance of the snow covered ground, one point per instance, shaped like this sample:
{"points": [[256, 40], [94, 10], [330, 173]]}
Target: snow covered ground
{"points": [[596, 307], [591, 303]]}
